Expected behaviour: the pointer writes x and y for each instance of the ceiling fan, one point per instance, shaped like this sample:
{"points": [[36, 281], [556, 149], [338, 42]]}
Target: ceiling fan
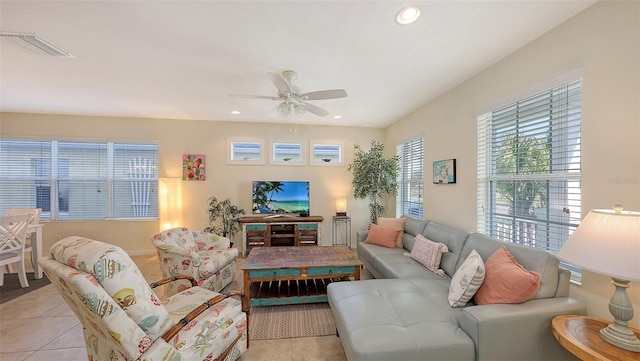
{"points": [[292, 100]]}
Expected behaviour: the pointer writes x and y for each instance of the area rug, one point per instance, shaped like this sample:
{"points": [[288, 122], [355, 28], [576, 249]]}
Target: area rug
{"points": [[12, 289], [287, 321]]}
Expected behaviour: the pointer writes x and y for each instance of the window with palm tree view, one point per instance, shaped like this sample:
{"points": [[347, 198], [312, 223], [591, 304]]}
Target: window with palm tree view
{"points": [[529, 169]]}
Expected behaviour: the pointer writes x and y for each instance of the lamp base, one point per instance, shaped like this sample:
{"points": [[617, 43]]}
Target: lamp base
{"points": [[341, 214], [627, 341], [618, 333]]}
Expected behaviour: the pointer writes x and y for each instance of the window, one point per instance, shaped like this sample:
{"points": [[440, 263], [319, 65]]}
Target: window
{"points": [[287, 153], [410, 178], [245, 152], [529, 169], [326, 154], [79, 180]]}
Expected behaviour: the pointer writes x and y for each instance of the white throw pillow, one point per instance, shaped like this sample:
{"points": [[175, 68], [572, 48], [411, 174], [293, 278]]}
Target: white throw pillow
{"points": [[467, 280]]}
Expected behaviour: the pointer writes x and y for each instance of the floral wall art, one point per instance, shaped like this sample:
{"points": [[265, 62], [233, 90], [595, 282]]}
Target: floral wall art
{"points": [[193, 167]]}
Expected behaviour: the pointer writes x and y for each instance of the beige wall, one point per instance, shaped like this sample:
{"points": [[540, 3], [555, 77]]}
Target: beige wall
{"points": [[605, 41], [177, 137]]}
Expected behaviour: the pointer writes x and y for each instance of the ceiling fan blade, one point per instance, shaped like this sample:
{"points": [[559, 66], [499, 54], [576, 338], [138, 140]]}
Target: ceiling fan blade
{"points": [[314, 109], [324, 94], [251, 96], [279, 82]]}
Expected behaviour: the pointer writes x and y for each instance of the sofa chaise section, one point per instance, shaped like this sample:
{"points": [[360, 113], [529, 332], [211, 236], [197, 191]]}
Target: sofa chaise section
{"points": [[398, 319]]}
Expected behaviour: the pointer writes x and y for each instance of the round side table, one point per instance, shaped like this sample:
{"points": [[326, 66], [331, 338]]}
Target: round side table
{"points": [[580, 335]]}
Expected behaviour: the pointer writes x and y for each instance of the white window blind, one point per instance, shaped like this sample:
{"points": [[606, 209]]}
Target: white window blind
{"points": [[410, 178], [529, 169], [79, 180]]}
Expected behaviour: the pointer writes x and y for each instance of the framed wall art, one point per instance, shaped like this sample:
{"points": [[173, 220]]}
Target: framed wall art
{"points": [[193, 167], [245, 152], [326, 153], [444, 171], [287, 153]]}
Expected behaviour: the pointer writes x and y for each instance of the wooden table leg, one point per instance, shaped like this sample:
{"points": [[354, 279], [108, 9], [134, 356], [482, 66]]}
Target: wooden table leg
{"points": [[246, 293]]}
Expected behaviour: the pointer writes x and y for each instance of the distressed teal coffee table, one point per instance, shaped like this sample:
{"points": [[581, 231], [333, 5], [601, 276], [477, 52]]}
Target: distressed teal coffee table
{"points": [[292, 275]]}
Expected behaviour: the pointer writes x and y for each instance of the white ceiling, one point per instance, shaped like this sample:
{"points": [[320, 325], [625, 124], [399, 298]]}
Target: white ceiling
{"points": [[180, 59]]}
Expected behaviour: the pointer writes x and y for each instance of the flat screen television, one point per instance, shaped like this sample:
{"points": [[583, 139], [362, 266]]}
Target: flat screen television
{"points": [[280, 197]]}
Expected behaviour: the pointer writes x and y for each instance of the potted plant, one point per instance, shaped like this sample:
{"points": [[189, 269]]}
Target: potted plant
{"points": [[374, 176], [227, 215]]}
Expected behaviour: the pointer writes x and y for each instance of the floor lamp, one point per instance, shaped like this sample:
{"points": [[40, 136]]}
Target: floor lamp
{"points": [[608, 242]]}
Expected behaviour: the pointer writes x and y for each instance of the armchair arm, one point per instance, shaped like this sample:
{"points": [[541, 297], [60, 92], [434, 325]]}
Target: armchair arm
{"points": [[173, 279], [517, 331], [175, 249], [195, 312], [205, 241]]}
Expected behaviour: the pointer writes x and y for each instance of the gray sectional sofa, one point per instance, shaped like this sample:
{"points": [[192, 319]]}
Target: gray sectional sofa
{"points": [[404, 313]]}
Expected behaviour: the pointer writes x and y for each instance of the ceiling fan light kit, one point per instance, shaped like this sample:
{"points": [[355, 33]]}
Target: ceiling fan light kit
{"points": [[293, 100]]}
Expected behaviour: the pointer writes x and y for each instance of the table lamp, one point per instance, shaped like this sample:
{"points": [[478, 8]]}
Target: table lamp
{"points": [[608, 242], [341, 207]]}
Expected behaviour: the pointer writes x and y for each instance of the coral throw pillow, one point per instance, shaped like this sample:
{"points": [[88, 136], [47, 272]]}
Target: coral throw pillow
{"points": [[427, 252], [397, 223], [382, 236], [467, 280], [506, 281]]}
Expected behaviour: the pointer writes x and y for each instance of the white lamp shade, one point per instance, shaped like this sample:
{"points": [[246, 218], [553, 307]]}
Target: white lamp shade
{"points": [[341, 205], [169, 203], [606, 242]]}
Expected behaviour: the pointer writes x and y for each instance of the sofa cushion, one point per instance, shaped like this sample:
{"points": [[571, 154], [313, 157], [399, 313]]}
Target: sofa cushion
{"points": [[396, 223], [412, 227], [453, 238], [467, 280], [506, 281], [383, 236], [412, 319], [397, 266], [532, 259], [427, 252]]}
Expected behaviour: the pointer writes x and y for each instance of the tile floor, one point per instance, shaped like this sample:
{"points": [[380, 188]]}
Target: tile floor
{"points": [[40, 326]]}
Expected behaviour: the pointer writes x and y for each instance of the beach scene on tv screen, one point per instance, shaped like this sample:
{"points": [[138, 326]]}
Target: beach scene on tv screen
{"points": [[280, 197]]}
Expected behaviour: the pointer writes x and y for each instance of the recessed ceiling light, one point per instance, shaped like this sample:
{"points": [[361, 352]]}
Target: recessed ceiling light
{"points": [[235, 112], [337, 117], [407, 15]]}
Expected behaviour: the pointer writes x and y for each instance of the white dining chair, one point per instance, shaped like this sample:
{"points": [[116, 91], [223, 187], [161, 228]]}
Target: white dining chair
{"points": [[35, 219], [13, 232]]}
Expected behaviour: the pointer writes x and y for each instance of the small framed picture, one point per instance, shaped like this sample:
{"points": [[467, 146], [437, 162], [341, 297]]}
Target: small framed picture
{"points": [[193, 167], [444, 171]]}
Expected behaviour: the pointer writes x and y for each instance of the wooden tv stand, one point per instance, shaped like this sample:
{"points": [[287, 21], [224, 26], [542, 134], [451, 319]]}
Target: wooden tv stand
{"points": [[284, 230]]}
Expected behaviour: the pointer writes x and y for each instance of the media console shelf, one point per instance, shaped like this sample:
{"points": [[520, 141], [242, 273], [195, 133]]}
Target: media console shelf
{"points": [[269, 231]]}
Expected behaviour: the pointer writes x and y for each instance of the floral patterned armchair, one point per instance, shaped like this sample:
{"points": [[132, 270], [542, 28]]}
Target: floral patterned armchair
{"points": [[206, 257], [123, 318]]}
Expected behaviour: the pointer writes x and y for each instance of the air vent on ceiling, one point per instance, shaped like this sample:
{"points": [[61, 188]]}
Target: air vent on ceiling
{"points": [[36, 43]]}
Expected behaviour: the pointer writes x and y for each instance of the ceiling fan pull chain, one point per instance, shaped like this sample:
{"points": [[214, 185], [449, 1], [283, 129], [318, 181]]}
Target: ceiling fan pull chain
{"points": [[292, 113]]}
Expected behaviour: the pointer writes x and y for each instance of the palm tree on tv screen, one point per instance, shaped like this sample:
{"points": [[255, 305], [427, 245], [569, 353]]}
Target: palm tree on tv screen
{"points": [[264, 191]]}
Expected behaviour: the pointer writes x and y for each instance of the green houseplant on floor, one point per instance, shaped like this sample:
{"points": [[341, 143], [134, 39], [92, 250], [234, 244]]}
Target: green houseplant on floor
{"points": [[374, 176], [224, 217]]}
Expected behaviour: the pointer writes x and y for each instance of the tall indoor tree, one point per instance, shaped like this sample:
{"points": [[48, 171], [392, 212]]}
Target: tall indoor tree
{"points": [[374, 176]]}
